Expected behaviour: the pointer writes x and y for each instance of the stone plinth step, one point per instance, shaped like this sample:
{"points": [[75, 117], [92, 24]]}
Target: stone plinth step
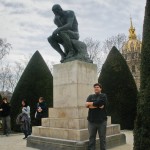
{"points": [[66, 112], [46, 143], [70, 134], [65, 123], [70, 113], [68, 123]]}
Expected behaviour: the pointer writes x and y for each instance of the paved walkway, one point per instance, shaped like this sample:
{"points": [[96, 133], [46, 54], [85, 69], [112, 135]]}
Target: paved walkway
{"points": [[15, 142], [129, 140]]}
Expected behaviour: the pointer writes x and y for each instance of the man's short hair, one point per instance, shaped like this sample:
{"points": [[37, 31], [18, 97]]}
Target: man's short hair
{"points": [[97, 84]]}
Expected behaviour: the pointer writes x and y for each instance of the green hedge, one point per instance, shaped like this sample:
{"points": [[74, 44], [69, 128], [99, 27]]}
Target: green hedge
{"points": [[120, 87], [36, 81], [0, 98], [142, 124]]}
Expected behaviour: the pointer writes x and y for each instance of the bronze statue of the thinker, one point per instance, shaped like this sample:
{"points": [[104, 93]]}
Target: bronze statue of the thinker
{"points": [[67, 35]]}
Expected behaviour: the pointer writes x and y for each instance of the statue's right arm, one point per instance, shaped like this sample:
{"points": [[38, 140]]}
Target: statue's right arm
{"points": [[57, 21], [68, 25]]}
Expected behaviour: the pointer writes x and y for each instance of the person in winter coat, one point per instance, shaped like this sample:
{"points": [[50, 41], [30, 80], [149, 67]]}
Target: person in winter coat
{"points": [[26, 121], [41, 111], [5, 114]]}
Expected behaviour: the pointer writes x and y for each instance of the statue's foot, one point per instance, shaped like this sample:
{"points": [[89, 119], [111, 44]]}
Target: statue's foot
{"points": [[62, 58], [70, 54]]}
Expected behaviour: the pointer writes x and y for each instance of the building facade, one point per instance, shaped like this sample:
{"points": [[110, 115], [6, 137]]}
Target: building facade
{"points": [[131, 51]]}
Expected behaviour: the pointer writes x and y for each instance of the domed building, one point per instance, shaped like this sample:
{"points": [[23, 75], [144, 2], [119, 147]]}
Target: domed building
{"points": [[131, 51]]}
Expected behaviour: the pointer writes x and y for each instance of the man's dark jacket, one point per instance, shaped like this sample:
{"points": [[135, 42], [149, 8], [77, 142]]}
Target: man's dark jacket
{"points": [[6, 109], [97, 115]]}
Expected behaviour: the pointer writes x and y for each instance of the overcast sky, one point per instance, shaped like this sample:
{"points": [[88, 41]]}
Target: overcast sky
{"points": [[26, 24]]}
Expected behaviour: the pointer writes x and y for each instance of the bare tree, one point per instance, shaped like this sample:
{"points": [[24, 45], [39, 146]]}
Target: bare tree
{"points": [[93, 48], [4, 76], [98, 52], [50, 65], [117, 41], [14, 75], [26, 60], [11, 82], [10, 75], [18, 70], [4, 48]]}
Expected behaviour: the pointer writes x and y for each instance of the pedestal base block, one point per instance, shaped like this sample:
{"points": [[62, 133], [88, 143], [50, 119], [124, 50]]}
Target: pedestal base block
{"points": [[45, 143]]}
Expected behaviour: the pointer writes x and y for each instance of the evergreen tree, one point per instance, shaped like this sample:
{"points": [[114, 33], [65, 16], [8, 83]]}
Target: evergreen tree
{"points": [[0, 97], [142, 123], [36, 81], [119, 85], [0, 104]]}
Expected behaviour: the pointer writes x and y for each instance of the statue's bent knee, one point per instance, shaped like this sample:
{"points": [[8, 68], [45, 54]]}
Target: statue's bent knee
{"points": [[62, 33], [51, 39]]}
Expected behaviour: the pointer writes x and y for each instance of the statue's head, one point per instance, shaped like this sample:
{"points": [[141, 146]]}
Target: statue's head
{"points": [[57, 10]]}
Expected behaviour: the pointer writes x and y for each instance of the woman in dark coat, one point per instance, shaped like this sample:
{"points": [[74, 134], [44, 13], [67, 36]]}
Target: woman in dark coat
{"points": [[5, 114], [41, 111]]}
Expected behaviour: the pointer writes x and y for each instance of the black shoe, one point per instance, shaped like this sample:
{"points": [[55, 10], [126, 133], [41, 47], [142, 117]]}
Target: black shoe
{"points": [[25, 137]]}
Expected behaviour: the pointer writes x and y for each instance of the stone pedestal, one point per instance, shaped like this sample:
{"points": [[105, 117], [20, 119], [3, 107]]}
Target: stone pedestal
{"points": [[73, 82], [66, 127]]}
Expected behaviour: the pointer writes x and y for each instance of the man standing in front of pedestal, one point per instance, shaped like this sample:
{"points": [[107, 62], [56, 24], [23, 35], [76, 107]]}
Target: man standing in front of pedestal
{"points": [[97, 117]]}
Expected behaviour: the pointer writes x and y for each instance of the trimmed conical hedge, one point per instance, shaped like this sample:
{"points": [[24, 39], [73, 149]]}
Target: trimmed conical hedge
{"points": [[142, 124], [120, 87], [0, 103], [0, 97], [36, 81]]}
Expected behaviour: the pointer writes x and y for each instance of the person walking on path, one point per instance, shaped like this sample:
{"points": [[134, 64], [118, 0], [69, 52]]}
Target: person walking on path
{"points": [[97, 117], [41, 111], [25, 118], [5, 113]]}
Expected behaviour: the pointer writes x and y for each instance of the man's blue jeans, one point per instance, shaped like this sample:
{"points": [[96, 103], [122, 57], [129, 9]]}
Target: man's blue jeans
{"points": [[93, 128]]}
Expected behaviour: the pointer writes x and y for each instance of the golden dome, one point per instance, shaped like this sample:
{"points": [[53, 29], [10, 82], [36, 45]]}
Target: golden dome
{"points": [[133, 44]]}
